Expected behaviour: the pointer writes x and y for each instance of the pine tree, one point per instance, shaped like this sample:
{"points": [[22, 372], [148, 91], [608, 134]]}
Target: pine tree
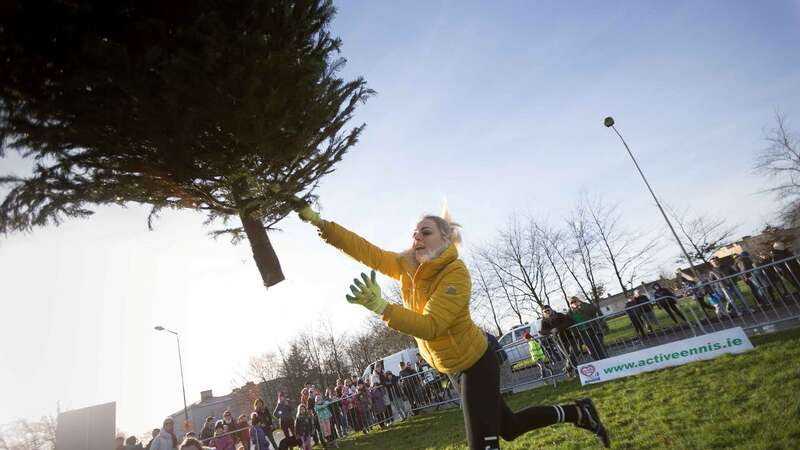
{"points": [[227, 107], [295, 369]]}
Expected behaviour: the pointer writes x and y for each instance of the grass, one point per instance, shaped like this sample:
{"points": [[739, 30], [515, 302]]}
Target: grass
{"points": [[747, 401]]}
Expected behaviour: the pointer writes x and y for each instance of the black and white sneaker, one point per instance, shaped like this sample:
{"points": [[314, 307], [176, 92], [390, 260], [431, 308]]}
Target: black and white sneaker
{"points": [[590, 420]]}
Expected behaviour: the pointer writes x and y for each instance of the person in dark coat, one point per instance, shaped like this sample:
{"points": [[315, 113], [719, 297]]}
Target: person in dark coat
{"points": [[395, 396], [153, 435], [646, 313], [409, 384], [789, 269], [752, 277], [304, 426], [265, 420], [207, 432], [723, 278], [133, 444], [590, 326], [665, 299], [558, 325], [285, 414], [634, 316]]}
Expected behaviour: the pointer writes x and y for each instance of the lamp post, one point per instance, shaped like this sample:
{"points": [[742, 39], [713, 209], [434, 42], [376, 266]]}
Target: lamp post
{"points": [[609, 123], [180, 364]]}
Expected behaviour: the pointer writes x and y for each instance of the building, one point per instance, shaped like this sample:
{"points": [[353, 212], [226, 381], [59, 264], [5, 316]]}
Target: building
{"points": [[239, 401], [760, 245]]}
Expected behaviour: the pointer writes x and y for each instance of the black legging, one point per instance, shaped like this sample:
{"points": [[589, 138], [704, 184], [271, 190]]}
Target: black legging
{"points": [[268, 430], [486, 415]]}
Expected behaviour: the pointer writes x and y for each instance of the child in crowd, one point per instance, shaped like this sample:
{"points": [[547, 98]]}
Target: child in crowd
{"points": [[321, 407], [376, 398], [283, 411], [339, 409], [304, 395], [537, 355], [348, 401], [244, 431], [227, 422], [362, 402], [258, 439], [222, 440], [304, 426]]}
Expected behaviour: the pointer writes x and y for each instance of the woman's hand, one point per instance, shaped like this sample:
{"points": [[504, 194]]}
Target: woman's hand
{"points": [[367, 294], [308, 214]]}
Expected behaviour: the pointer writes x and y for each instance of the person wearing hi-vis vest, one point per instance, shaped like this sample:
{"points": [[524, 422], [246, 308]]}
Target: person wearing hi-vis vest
{"points": [[537, 355], [436, 289]]}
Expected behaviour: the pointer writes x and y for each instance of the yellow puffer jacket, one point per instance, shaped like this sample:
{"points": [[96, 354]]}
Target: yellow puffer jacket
{"points": [[435, 300]]}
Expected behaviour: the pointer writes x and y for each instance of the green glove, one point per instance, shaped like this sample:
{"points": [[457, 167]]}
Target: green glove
{"points": [[308, 214], [367, 294]]}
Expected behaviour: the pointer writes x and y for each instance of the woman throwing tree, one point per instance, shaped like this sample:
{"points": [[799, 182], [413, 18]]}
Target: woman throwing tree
{"points": [[436, 289]]}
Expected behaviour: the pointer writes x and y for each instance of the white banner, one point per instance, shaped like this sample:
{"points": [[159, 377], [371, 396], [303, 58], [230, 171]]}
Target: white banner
{"points": [[707, 346]]}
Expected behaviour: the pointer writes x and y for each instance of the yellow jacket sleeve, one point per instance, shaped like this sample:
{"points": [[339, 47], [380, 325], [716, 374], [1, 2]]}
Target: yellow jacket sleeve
{"points": [[385, 262], [448, 301]]}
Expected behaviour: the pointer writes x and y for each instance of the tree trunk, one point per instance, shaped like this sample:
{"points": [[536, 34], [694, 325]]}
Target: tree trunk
{"points": [[266, 260]]}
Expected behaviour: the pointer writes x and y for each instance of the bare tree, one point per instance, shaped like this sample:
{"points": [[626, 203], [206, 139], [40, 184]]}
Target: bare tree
{"points": [[393, 293], [375, 342], [485, 289], [518, 261], [263, 367], [780, 161], [312, 346], [552, 243], [701, 235], [585, 251], [360, 351], [29, 435], [625, 251], [334, 356], [504, 285]]}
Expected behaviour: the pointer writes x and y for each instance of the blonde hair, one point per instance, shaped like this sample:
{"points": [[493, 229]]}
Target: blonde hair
{"points": [[450, 231]]}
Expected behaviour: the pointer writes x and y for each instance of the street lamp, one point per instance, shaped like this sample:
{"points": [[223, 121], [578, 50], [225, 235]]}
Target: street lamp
{"points": [[180, 364], [609, 123]]}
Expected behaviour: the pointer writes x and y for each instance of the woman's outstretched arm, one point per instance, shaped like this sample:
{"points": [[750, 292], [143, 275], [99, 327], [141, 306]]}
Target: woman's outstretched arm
{"points": [[388, 263]]}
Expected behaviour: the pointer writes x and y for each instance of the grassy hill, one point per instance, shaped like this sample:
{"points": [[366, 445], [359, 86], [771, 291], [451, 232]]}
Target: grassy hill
{"points": [[748, 401]]}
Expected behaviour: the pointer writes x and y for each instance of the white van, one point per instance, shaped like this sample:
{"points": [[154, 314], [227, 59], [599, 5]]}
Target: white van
{"points": [[515, 345], [391, 363]]}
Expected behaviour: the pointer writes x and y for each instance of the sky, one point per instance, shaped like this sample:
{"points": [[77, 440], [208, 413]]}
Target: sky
{"points": [[497, 107]]}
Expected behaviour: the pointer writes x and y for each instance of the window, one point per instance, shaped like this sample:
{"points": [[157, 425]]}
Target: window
{"points": [[518, 332]]}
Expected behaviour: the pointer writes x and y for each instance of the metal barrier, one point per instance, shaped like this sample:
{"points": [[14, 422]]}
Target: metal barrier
{"points": [[764, 296], [761, 297], [521, 371], [773, 290], [427, 389], [645, 324]]}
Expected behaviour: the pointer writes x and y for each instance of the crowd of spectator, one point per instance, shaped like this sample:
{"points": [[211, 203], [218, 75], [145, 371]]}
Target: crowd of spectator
{"points": [[770, 277], [581, 330], [319, 416]]}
